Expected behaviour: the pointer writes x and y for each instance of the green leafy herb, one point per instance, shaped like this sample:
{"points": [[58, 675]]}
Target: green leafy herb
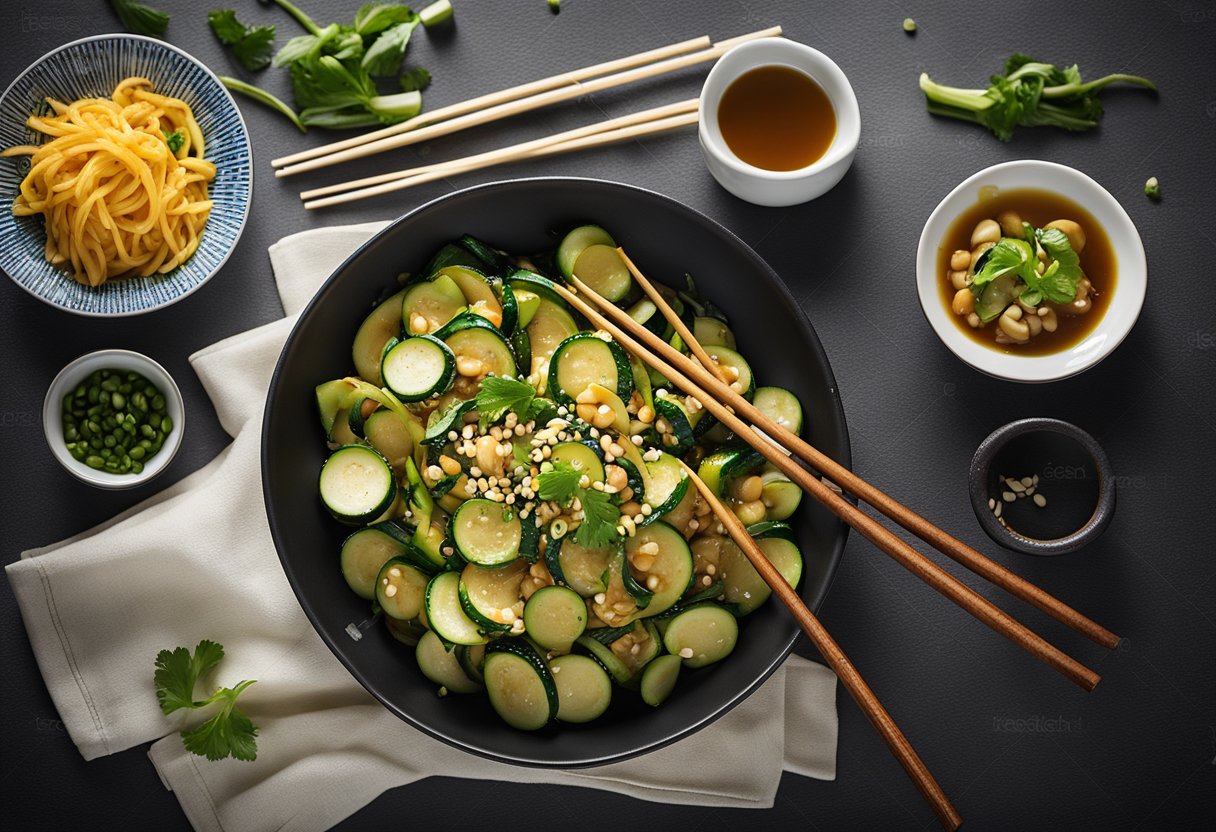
{"points": [[250, 44], [174, 139], [140, 19], [415, 80], [500, 396], [601, 516], [384, 56], [228, 732], [376, 17], [1059, 283], [559, 484], [1152, 189], [261, 96], [1008, 255], [1030, 94], [1014, 258]]}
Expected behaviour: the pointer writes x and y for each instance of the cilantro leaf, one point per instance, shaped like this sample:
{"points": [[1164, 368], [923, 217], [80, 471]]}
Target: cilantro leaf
{"points": [[178, 671], [228, 732], [174, 139], [500, 396], [559, 484], [415, 80], [1059, 283], [140, 19], [250, 44], [598, 528]]}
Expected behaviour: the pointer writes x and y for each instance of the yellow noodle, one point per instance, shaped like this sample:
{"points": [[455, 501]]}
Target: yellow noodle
{"points": [[115, 200]]}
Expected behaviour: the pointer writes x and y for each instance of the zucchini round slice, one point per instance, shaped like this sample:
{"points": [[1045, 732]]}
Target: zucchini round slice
{"points": [[602, 269], [441, 666], [683, 422], [725, 463], [418, 368], [483, 343], [401, 589], [584, 457], [522, 279], [647, 314], [671, 566], [486, 533], [584, 359], [383, 323], [549, 327], [488, 595], [510, 307], [701, 635], [780, 496], [666, 485], [659, 679], [726, 357], [356, 484], [389, 434], [554, 617], [603, 655], [578, 567], [712, 332], [478, 293], [584, 690], [492, 258], [575, 242], [526, 303], [781, 406], [428, 306], [444, 613], [519, 684], [472, 659], [332, 398], [363, 553]]}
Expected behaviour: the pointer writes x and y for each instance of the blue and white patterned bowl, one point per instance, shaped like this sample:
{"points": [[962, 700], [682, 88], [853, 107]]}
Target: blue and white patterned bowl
{"points": [[92, 67]]}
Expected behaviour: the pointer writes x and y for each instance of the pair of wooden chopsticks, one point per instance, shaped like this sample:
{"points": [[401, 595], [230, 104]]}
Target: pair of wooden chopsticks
{"points": [[521, 99], [704, 380]]}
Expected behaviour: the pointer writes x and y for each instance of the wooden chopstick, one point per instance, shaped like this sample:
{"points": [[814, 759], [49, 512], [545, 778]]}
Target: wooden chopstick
{"points": [[523, 105], [912, 560], [501, 96], [941, 540], [844, 669], [503, 155]]}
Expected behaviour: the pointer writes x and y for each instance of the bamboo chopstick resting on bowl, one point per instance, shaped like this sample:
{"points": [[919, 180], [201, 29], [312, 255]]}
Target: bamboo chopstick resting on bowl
{"points": [[645, 123], [882, 537], [433, 128], [844, 669]]}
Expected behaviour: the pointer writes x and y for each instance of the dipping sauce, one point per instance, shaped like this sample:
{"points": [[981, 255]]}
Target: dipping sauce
{"points": [[776, 118], [1070, 323]]}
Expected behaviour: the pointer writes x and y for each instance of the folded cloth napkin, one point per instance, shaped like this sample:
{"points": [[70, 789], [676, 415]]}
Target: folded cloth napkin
{"points": [[196, 561]]}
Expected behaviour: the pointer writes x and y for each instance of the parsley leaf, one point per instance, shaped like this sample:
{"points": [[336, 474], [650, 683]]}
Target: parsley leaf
{"points": [[175, 140], [140, 19], [250, 44], [228, 732], [559, 484], [415, 80], [598, 528], [500, 396]]}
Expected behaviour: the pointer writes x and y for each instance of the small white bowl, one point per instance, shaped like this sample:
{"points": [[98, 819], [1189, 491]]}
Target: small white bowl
{"points": [[79, 370], [772, 187], [1125, 304]]}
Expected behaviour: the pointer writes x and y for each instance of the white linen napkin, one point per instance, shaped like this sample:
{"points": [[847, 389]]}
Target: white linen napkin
{"points": [[196, 561]]}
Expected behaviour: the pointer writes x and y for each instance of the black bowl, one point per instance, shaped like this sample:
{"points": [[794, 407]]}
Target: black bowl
{"points": [[667, 239]]}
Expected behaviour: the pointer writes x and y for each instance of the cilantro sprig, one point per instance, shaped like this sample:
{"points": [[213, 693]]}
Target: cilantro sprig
{"points": [[500, 396], [600, 516], [228, 732], [249, 44], [1016, 257]]}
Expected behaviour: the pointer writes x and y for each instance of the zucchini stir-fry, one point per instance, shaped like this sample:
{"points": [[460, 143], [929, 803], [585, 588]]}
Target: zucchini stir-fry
{"points": [[524, 520]]}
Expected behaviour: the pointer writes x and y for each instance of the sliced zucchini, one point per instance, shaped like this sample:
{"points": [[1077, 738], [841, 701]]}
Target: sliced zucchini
{"points": [[401, 589], [781, 406], [683, 422], [602, 653], [778, 543], [445, 419], [575, 242], [472, 336], [333, 397], [554, 617], [583, 570], [489, 596], [441, 667], [450, 255], [472, 659], [418, 368], [726, 357], [406, 632], [549, 327], [478, 293], [584, 690], [521, 345], [609, 399], [490, 257], [510, 307], [713, 332], [641, 381], [537, 284], [780, 496], [684, 511], [672, 565], [584, 359], [666, 485], [356, 484], [519, 684], [363, 554], [725, 463], [584, 457], [702, 635], [444, 613], [648, 315], [383, 323], [428, 306], [389, 434], [602, 269], [526, 303], [486, 533], [659, 679], [996, 296]]}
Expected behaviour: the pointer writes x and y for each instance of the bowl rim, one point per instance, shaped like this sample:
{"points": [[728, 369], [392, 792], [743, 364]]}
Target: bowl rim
{"points": [[240, 230], [836, 554], [977, 486], [69, 376], [843, 145], [1129, 297]]}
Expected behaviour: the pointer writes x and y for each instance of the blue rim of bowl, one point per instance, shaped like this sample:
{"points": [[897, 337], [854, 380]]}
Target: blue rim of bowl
{"points": [[727, 705], [243, 199]]}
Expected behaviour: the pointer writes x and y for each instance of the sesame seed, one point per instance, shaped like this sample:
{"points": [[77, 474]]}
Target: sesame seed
{"points": [[686, 653]]}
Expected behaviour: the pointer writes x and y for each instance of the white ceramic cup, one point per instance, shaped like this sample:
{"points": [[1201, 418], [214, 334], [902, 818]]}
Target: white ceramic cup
{"points": [[1131, 281], [778, 187]]}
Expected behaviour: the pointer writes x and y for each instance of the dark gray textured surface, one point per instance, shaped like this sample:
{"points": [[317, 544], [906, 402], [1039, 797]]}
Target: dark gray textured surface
{"points": [[1013, 744]]}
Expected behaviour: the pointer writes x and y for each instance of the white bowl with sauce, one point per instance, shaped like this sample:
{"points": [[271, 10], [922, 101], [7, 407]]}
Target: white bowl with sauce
{"points": [[764, 186], [1122, 308]]}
